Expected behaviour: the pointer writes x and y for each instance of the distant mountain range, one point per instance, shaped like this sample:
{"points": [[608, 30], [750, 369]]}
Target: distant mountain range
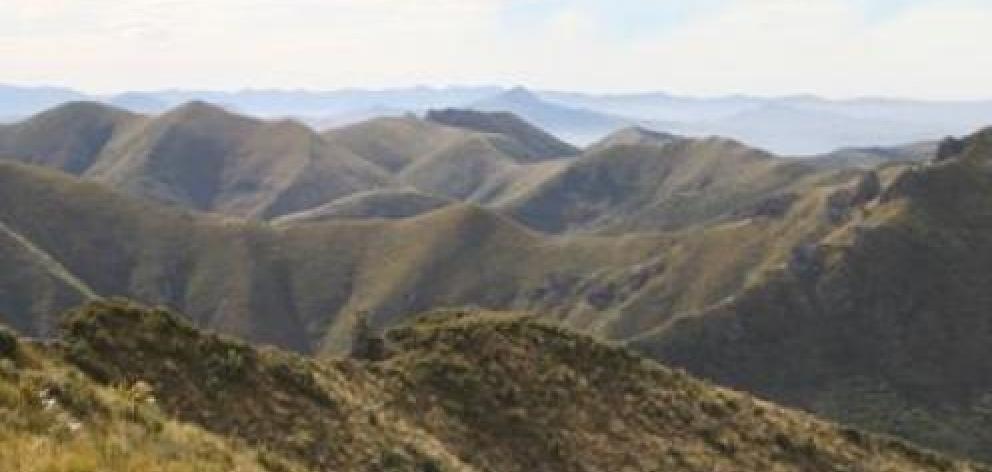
{"points": [[795, 125]]}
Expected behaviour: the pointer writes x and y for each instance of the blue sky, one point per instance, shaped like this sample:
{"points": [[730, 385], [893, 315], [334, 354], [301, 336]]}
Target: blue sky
{"points": [[838, 48]]}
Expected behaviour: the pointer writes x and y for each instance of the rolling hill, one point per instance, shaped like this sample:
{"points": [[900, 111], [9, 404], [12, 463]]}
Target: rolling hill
{"points": [[197, 155], [69, 137], [656, 183], [390, 203], [393, 143]]}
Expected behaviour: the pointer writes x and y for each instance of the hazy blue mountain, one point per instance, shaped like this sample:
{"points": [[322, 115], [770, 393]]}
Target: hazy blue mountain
{"points": [[797, 130], [655, 105], [322, 103], [795, 124], [576, 125], [792, 125], [23, 101]]}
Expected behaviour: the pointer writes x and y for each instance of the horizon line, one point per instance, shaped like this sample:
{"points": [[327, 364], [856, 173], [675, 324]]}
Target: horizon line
{"points": [[502, 87]]}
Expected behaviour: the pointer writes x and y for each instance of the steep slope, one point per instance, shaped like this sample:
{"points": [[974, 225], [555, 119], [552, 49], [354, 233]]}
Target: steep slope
{"points": [[69, 137], [123, 246], [197, 155], [390, 203], [883, 322], [467, 392], [673, 185], [34, 286], [534, 143]]}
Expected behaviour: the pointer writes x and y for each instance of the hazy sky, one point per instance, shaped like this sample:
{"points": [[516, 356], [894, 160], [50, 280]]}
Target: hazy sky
{"points": [[839, 48]]}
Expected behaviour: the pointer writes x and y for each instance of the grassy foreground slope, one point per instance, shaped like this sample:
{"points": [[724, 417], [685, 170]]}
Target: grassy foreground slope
{"points": [[884, 322], [54, 418], [131, 386]]}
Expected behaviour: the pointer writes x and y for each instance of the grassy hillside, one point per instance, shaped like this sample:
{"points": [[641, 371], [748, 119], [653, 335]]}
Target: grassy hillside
{"points": [[197, 155], [294, 285], [539, 143], [458, 391], [673, 185], [393, 143], [299, 286], [290, 286], [632, 136], [69, 137], [883, 322], [54, 418], [386, 203], [858, 294], [202, 157]]}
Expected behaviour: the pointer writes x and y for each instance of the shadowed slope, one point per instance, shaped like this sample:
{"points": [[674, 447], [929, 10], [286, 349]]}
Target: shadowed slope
{"points": [[884, 322], [69, 137], [669, 186], [539, 144]]}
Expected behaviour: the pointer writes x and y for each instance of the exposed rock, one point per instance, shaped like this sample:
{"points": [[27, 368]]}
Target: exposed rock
{"points": [[806, 261], [950, 147], [8, 343], [867, 189], [366, 344], [775, 206], [842, 201]]}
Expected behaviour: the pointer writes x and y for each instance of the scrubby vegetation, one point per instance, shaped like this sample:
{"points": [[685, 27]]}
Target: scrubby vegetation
{"points": [[459, 391], [54, 418]]}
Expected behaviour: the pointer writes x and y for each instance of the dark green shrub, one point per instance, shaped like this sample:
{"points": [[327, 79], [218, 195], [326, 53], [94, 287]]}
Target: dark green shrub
{"points": [[8, 343]]}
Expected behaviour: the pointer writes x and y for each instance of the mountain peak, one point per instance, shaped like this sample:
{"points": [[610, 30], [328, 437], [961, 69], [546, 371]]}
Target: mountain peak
{"points": [[199, 108], [521, 95], [634, 136], [81, 109]]}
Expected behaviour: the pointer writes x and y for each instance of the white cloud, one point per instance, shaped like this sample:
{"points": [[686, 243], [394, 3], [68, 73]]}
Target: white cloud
{"points": [[749, 46]]}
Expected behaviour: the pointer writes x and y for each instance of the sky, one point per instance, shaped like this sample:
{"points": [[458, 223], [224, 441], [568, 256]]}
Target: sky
{"points": [[833, 48]]}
